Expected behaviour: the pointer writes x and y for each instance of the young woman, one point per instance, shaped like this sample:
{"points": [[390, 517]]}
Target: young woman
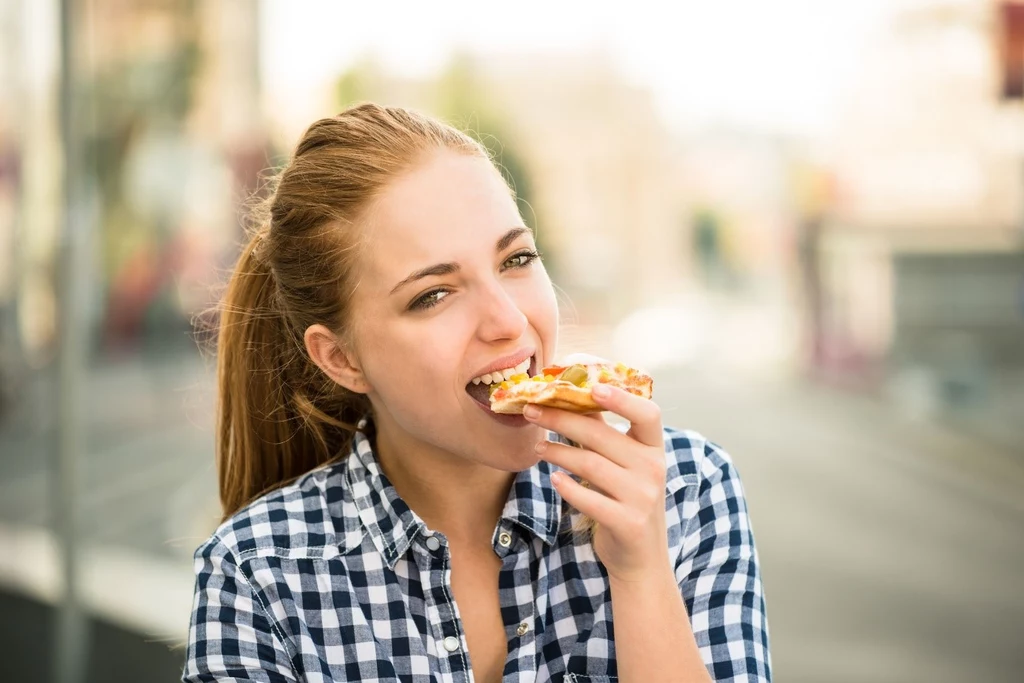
{"points": [[381, 523]]}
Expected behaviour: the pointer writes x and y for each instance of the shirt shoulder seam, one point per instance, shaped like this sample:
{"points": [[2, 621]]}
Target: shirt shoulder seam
{"points": [[274, 627]]}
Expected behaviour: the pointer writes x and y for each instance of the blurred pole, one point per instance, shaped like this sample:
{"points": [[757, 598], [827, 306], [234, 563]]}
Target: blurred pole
{"points": [[71, 626]]}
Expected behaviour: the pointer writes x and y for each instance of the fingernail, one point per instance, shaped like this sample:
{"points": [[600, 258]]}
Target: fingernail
{"points": [[601, 391], [531, 412], [541, 446]]}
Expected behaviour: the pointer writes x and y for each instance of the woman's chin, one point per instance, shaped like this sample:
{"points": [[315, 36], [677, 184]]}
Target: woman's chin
{"points": [[519, 453]]}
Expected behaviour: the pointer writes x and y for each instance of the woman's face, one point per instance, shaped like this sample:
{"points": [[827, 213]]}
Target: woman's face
{"points": [[449, 288]]}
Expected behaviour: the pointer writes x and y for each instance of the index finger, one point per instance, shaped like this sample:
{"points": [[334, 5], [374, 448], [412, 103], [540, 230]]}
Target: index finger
{"points": [[643, 414]]}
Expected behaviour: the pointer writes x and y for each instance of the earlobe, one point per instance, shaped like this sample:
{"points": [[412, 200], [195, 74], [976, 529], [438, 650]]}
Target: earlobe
{"points": [[331, 356]]}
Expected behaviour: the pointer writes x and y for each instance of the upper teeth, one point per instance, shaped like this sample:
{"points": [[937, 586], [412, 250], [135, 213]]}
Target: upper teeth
{"points": [[499, 375]]}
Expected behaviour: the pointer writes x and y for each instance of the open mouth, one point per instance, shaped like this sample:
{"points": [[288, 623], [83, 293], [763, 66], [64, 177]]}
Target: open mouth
{"points": [[481, 393]]}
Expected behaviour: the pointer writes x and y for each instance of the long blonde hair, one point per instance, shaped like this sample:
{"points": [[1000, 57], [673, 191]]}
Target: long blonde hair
{"points": [[279, 416]]}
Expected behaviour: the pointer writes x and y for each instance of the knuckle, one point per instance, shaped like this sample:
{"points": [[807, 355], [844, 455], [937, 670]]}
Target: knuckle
{"points": [[585, 469], [652, 495], [636, 522], [656, 466], [590, 465]]}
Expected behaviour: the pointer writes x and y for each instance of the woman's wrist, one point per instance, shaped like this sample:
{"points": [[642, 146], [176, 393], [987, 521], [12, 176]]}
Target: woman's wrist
{"points": [[659, 580]]}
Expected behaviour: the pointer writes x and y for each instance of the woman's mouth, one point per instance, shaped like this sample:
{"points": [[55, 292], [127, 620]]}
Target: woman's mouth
{"points": [[481, 391], [500, 375]]}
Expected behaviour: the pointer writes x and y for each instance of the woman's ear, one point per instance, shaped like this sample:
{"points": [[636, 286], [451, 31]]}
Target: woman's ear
{"points": [[335, 359]]}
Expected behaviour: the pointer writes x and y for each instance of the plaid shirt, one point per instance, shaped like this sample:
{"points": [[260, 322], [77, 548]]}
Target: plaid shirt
{"points": [[335, 578]]}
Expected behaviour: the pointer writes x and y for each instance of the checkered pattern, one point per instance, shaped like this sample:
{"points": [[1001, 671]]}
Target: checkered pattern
{"points": [[334, 578]]}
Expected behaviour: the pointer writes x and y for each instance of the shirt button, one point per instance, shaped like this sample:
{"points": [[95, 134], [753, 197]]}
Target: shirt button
{"points": [[505, 539], [523, 628], [433, 543], [451, 643]]}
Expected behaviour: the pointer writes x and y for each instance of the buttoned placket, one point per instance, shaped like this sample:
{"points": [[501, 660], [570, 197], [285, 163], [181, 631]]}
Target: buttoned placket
{"points": [[435, 569], [515, 557], [445, 625]]}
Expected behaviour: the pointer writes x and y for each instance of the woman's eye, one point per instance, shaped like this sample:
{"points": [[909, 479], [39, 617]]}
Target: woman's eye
{"points": [[430, 299], [522, 259]]}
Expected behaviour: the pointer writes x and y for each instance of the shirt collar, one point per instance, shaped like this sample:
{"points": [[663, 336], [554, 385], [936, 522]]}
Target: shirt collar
{"points": [[533, 503], [390, 523]]}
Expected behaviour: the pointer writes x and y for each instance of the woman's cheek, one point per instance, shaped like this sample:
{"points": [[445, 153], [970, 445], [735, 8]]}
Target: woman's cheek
{"points": [[544, 313]]}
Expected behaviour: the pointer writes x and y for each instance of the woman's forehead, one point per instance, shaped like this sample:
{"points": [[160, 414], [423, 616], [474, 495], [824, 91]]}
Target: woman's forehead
{"points": [[449, 205]]}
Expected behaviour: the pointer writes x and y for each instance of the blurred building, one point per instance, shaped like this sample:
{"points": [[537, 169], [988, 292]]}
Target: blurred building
{"points": [[170, 140], [30, 190], [920, 259]]}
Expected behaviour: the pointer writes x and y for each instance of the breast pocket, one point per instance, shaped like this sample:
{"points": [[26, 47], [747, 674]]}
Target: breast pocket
{"points": [[581, 678]]}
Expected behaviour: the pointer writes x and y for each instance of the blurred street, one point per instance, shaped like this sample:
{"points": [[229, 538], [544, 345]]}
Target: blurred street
{"points": [[891, 552]]}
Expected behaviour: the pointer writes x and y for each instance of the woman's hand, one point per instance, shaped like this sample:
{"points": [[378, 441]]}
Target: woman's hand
{"points": [[628, 473]]}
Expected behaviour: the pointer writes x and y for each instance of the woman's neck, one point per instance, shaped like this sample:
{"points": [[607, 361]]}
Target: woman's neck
{"points": [[461, 499]]}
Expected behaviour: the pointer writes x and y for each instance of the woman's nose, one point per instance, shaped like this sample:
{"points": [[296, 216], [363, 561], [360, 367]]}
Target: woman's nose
{"points": [[501, 317]]}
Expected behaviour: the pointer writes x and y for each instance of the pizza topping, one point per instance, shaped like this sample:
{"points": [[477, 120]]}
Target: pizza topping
{"points": [[579, 374], [576, 374]]}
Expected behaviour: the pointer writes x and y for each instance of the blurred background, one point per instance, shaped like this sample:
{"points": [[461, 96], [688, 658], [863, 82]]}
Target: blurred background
{"points": [[805, 218]]}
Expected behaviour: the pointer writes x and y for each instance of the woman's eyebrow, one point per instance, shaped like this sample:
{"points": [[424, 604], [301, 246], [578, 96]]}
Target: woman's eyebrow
{"points": [[436, 269], [448, 268], [509, 237]]}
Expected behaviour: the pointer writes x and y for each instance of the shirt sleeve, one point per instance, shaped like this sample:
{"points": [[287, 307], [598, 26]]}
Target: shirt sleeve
{"points": [[720, 578], [230, 637]]}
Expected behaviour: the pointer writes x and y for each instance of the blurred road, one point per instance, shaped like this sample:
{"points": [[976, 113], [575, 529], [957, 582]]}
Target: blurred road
{"points": [[892, 551]]}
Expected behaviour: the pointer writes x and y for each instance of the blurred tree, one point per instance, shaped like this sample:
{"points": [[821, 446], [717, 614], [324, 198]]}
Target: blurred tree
{"points": [[360, 83]]}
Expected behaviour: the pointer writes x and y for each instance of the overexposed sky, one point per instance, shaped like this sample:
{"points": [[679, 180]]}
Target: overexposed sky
{"points": [[767, 64]]}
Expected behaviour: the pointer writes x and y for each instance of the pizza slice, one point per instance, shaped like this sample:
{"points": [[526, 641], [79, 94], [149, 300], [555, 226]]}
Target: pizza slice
{"points": [[567, 387]]}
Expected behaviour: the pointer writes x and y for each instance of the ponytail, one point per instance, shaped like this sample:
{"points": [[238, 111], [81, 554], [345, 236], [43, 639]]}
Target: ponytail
{"points": [[279, 416]]}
